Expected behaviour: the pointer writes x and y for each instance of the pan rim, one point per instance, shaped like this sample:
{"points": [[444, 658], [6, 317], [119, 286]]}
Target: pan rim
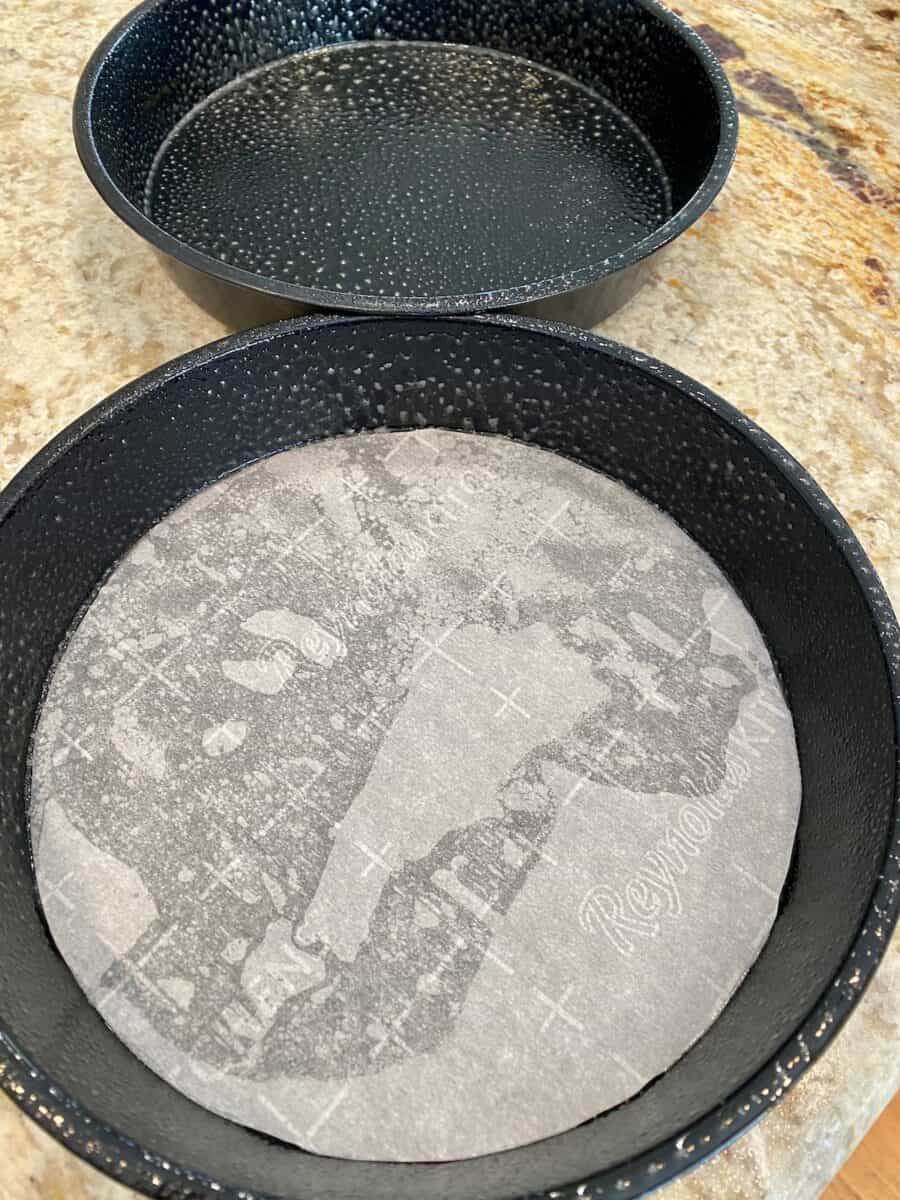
{"points": [[102, 1146], [351, 302]]}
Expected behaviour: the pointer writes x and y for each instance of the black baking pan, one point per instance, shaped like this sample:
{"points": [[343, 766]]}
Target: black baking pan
{"points": [[67, 519], [406, 158]]}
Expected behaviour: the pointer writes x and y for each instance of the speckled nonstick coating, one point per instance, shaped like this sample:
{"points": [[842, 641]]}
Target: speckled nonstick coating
{"points": [[70, 514], [381, 174]]}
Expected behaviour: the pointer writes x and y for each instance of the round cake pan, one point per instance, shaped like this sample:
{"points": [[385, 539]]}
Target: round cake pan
{"points": [[406, 159], [70, 515]]}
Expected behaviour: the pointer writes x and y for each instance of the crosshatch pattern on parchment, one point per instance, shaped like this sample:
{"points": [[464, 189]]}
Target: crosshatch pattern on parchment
{"points": [[413, 795]]}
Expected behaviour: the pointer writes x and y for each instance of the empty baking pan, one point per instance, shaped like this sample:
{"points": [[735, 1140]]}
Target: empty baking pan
{"points": [[74, 521], [406, 157]]}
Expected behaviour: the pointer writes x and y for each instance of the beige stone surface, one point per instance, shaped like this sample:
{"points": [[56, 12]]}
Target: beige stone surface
{"points": [[782, 298]]}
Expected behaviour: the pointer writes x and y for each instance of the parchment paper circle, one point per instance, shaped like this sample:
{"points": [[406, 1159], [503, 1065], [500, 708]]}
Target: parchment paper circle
{"points": [[413, 796]]}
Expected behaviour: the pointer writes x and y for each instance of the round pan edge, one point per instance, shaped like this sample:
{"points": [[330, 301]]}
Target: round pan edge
{"points": [[346, 302]]}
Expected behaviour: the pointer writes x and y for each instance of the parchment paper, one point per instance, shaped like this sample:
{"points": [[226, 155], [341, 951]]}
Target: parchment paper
{"points": [[413, 796]]}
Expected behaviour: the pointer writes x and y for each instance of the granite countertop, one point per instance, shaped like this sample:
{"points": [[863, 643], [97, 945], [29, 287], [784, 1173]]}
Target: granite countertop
{"points": [[781, 298]]}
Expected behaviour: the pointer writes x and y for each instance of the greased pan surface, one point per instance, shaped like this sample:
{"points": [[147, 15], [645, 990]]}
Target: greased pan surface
{"points": [[406, 158]]}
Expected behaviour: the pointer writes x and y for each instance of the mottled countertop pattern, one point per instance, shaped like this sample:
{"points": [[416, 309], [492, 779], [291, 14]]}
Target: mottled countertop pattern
{"points": [[782, 298]]}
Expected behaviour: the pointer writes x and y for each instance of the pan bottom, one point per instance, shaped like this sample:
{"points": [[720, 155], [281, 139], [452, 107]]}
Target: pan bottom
{"points": [[409, 170]]}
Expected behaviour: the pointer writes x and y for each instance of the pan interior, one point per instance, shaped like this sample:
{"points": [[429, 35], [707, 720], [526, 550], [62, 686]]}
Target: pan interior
{"points": [[789, 556], [407, 169]]}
